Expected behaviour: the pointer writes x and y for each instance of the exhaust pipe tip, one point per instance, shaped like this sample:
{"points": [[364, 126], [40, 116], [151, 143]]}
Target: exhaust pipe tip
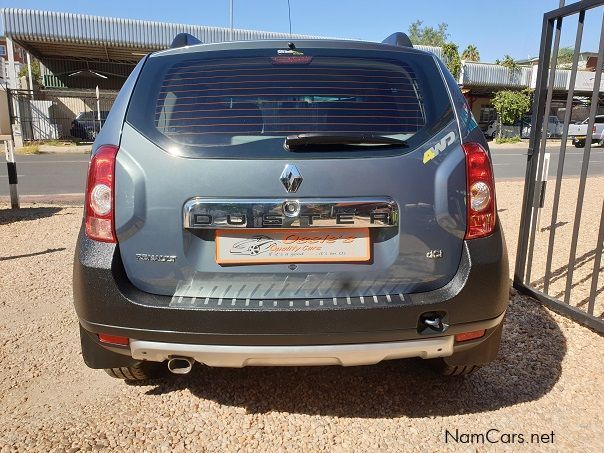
{"points": [[180, 365]]}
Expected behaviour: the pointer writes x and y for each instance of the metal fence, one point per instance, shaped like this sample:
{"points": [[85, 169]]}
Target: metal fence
{"points": [[5, 73], [58, 115], [566, 254]]}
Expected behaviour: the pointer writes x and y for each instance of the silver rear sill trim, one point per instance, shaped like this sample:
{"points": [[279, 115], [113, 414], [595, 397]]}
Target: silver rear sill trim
{"points": [[342, 354]]}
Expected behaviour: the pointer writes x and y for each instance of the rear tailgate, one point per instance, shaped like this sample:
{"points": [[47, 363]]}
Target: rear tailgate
{"points": [[206, 129], [575, 130]]}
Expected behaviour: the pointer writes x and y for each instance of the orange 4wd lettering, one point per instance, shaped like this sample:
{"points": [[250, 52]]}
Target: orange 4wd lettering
{"points": [[435, 150]]}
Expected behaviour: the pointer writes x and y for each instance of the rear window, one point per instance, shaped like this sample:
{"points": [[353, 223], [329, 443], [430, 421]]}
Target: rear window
{"points": [[244, 103]]}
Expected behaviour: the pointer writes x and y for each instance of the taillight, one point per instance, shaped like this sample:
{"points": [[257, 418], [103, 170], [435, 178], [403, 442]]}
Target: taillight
{"points": [[100, 224], [594, 129], [481, 192]]}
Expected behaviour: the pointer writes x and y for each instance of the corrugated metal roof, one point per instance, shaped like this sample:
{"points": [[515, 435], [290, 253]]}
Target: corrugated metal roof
{"points": [[561, 79], [438, 51], [491, 75], [474, 74], [67, 43], [35, 25], [41, 26]]}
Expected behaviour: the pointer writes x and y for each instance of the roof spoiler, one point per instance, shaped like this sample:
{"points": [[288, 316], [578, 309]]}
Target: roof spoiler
{"points": [[399, 39], [184, 39]]}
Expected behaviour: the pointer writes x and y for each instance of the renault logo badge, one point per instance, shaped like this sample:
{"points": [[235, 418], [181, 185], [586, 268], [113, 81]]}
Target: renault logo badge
{"points": [[291, 178]]}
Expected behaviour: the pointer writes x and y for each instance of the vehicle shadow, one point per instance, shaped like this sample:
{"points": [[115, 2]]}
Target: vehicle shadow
{"points": [[24, 214], [528, 366]]}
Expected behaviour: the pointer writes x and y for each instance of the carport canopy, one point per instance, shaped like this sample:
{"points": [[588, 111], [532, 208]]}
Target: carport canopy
{"points": [[82, 51]]}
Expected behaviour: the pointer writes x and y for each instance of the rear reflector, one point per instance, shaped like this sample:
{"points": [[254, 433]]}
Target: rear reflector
{"points": [[100, 195], [467, 336], [113, 339], [481, 213]]}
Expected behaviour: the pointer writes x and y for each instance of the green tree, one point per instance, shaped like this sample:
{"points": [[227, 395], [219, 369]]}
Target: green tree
{"points": [[437, 37], [512, 66], [565, 56], [510, 106], [36, 73], [508, 62], [451, 58], [470, 53], [428, 36]]}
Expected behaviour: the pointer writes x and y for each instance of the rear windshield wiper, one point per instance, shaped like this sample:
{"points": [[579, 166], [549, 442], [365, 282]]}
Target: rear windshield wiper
{"points": [[301, 141]]}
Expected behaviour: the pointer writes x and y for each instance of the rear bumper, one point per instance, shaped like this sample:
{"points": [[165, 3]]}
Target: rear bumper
{"points": [[107, 302], [339, 354], [336, 354]]}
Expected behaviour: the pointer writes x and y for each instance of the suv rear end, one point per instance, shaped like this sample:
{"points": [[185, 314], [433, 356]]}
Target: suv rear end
{"points": [[274, 203]]}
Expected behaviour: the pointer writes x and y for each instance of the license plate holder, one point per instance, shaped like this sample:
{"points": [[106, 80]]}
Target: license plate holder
{"points": [[270, 246]]}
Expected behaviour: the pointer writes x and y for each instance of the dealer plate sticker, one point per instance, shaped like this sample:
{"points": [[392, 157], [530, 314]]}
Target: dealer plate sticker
{"points": [[321, 245]]}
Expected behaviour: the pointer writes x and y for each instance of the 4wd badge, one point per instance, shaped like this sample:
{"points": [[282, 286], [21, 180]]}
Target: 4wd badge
{"points": [[435, 150]]}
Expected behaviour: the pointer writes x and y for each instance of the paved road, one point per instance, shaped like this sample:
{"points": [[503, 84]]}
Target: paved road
{"points": [[510, 162], [51, 174], [47, 174]]}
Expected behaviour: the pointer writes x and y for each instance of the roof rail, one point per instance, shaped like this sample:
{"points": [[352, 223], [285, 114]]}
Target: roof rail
{"points": [[398, 39], [184, 39]]}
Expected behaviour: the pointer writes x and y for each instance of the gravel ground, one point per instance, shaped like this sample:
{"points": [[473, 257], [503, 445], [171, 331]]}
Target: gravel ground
{"points": [[509, 201], [548, 378]]}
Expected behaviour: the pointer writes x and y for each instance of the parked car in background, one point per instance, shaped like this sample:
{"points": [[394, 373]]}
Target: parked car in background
{"points": [[523, 127], [554, 127], [267, 219], [491, 131], [578, 132], [86, 125]]}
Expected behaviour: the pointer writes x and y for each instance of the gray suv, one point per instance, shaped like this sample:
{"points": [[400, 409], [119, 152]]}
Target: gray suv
{"points": [[316, 202]]}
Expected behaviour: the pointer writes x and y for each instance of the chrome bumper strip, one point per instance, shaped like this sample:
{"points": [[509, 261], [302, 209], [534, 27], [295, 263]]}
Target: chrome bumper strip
{"points": [[342, 354], [208, 213]]}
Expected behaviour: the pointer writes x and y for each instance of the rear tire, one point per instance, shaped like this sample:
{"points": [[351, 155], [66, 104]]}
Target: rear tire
{"points": [[140, 372], [579, 144]]}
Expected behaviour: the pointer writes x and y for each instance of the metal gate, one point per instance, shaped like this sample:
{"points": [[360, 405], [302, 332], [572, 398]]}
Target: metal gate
{"points": [[565, 255], [58, 114]]}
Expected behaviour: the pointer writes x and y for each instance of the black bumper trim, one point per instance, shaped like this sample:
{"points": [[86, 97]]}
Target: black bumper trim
{"points": [[271, 339], [105, 300]]}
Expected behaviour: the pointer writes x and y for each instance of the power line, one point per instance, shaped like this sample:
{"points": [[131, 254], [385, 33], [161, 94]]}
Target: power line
{"points": [[289, 13]]}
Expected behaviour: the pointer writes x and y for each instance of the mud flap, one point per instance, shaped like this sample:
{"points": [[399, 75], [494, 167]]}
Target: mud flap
{"points": [[99, 357], [480, 354]]}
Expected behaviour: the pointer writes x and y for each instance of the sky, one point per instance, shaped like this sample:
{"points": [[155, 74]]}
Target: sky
{"points": [[496, 27]]}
